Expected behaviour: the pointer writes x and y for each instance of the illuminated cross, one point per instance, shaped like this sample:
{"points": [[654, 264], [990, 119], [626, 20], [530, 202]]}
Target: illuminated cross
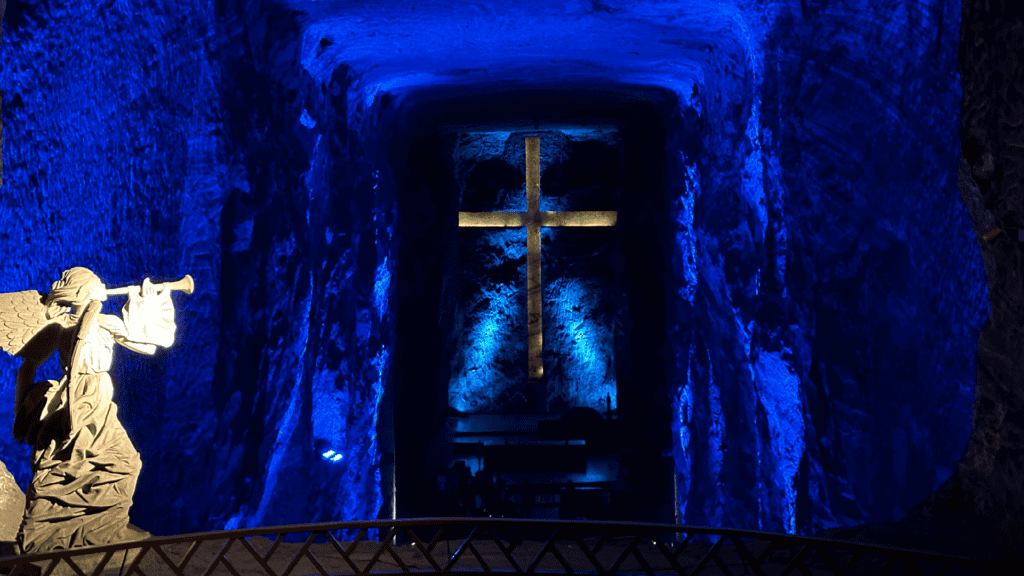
{"points": [[533, 219]]}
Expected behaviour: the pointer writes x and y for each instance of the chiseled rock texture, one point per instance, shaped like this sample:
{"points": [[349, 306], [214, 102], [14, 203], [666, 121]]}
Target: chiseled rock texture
{"points": [[3, 8], [162, 138], [110, 164], [12, 505], [824, 287], [987, 492]]}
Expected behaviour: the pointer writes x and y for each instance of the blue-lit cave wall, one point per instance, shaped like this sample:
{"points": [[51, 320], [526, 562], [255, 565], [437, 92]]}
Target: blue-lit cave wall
{"points": [[3, 9], [304, 352], [823, 289], [109, 163], [164, 138], [828, 287]]}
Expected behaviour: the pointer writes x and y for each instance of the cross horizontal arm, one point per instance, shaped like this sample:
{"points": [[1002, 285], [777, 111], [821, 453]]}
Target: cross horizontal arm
{"points": [[516, 219], [581, 218], [492, 219]]}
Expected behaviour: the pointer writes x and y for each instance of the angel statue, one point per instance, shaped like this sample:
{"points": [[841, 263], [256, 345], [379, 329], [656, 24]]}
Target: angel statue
{"points": [[84, 466]]}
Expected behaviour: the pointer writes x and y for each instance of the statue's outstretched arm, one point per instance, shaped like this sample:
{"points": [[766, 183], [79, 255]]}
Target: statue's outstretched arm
{"points": [[119, 331], [148, 319], [139, 347]]}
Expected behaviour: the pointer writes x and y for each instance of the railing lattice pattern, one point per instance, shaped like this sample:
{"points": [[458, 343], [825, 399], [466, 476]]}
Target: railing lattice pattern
{"points": [[489, 546]]}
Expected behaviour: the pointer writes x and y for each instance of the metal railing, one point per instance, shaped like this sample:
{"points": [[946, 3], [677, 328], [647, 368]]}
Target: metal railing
{"points": [[489, 546]]}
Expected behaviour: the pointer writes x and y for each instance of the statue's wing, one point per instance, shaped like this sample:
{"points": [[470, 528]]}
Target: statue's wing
{"points": [[22, 316]]}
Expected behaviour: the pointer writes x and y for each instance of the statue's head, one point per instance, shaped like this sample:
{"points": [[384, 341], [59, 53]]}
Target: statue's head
{"points": [[77, 286]]}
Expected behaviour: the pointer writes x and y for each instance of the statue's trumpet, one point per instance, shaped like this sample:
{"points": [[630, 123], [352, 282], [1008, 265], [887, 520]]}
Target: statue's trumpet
{"points": [[186, 285]]}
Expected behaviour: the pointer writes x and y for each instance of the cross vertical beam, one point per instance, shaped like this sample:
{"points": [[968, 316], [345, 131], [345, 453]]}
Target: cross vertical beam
{"points": [[534, 315]]}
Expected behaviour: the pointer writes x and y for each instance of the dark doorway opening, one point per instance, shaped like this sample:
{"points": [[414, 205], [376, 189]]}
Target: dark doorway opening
{"points": [[453, 459]]}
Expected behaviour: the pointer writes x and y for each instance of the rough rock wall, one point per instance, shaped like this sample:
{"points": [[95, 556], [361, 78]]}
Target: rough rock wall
{"points": [[887, 275], [110, 163], [306, 281], [161, 138], [3, 8], [797, 218], [987, 492], [826, 268], [148, 139]]}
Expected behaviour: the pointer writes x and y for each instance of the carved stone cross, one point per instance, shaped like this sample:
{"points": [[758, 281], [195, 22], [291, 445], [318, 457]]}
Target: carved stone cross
{"points": [[533, 219]]}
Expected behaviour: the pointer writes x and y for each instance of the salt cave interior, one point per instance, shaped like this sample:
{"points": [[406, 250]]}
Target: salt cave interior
{"points": [[780, 332]]}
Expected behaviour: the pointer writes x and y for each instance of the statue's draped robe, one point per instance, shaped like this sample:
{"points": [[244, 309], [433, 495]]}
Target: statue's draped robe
{"points": [[85, 467]]}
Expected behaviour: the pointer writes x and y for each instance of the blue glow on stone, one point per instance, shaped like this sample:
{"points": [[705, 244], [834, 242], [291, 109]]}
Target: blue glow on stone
{"points": [[330, 405], [745, 333], [363, 325], [779, 391], [684, 418], [716, 438], [234, 522], [588, 374], [774, 180], [380, 360], [306, 121], [381, 284], [475, 387], [381, 364], [686, 241], [277, 459], [753, 170], [282, 454]]}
